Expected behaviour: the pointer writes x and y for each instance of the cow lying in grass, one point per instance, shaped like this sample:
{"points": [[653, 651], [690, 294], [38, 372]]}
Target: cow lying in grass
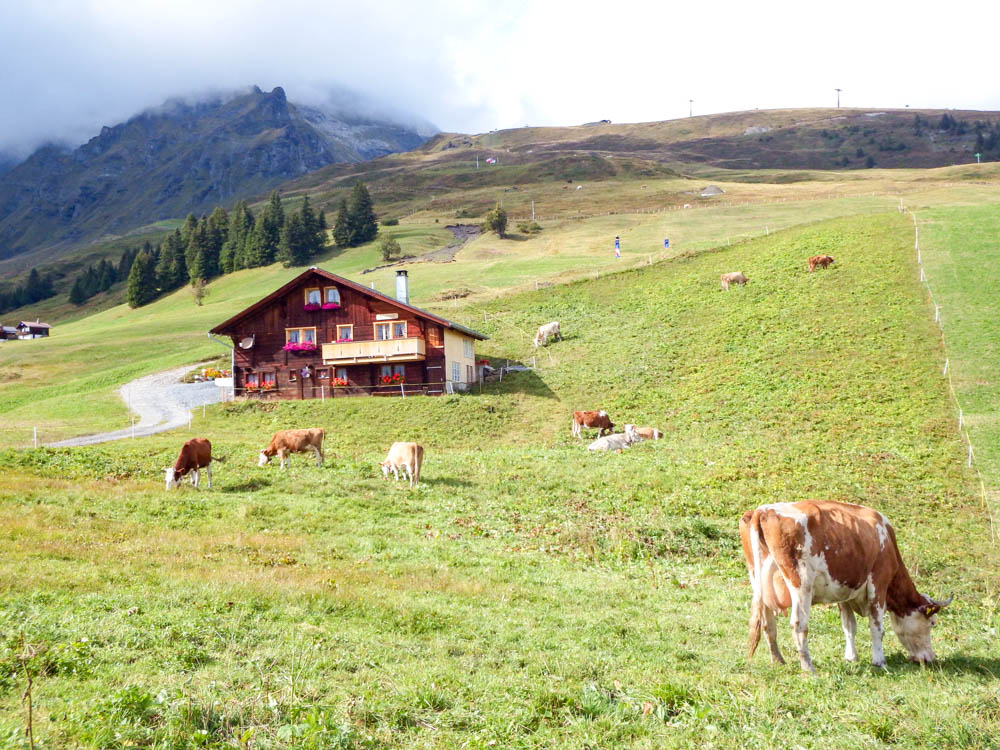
{"points": [[406, 456], [286, 442], [642, 433], [617, 442], [196, 454]]}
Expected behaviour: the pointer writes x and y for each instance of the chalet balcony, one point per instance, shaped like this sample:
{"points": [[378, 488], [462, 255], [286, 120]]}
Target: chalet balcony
{"points": [[389, 350]]}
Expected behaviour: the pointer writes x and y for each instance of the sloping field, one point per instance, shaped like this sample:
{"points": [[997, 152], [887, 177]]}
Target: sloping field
{"points": [[528, 594]]}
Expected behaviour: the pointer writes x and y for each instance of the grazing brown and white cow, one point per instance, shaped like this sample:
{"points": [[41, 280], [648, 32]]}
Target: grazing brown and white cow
{"points": [[546, 332], [592, 420], [406, 456], [286, 442], [617, 442], [196, 454], [643, 433], [819, 261], [826, 552], [736, 277]]}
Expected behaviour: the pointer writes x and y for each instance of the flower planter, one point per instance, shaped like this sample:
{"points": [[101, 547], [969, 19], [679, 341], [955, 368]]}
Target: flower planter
{"points": [[311, 307], [331, 306], [306, 347]]}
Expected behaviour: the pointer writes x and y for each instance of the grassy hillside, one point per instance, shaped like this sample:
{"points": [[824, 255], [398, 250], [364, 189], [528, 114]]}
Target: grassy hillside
{"points": [[529, 594]]}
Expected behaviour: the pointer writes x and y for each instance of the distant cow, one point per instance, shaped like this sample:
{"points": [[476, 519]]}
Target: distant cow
{"points": [[286, 442], [196, 454], [643, 433], [546, 332], [617, 442], [736, 277], [832, 553], [406, 456], [592, 420], [819, 261]]}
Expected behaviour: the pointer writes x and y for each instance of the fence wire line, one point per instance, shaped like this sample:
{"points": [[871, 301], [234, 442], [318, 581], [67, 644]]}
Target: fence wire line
{"points": [[947, 373]]}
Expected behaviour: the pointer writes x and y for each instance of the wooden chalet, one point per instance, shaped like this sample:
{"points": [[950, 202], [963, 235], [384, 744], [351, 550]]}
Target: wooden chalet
{"points": [[322, 335], [27, 329]]}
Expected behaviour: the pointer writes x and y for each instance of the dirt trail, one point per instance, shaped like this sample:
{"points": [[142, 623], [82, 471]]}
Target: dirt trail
{"points": [[160, 403]]}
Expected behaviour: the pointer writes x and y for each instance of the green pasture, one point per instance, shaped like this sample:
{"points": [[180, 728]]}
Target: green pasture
{"points": [[528, 594], [959, 249]]}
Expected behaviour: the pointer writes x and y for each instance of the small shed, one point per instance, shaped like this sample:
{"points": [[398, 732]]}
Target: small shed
{"points": [[708, 192], [8, 333], [27, 329]]}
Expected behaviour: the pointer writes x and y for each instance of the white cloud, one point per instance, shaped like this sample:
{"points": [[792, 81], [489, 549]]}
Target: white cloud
{"points": [[69, 66]]}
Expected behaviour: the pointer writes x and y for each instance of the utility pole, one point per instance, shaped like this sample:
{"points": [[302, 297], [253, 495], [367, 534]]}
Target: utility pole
{"points": [[838, 97], [690, 107]]}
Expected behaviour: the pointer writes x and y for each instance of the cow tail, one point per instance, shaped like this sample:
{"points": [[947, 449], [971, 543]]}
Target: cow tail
{"points": [[220, 459], [757, 614]]}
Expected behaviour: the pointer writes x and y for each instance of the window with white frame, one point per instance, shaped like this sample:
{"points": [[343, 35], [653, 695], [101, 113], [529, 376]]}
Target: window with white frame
{"points": [[399, 330], [345, 333], [456, 372], [383, 331], [332, 295], [312, 296], [468, 350], [300, 335], [341, 372], [390, 370]]}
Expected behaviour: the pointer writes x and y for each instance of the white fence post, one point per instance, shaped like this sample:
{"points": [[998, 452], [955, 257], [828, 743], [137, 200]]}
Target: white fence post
{"points": [[922, 276], [35, 429], [970, 455], [960, 415], [945, 371], [402, 392], [322, 393]]}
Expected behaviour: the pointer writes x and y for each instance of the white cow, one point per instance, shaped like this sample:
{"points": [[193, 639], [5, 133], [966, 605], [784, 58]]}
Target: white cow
{"points": [[546, 332], [406, 456], [617, 442]]}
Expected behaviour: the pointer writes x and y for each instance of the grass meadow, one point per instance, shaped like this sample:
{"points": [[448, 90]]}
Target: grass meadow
{"points": [[527, 594]]}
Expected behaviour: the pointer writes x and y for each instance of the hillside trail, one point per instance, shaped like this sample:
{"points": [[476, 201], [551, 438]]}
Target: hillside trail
{"points": [[159, 401]]}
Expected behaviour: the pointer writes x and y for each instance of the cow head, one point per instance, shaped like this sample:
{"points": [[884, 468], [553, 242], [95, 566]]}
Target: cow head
{"points": [[914, 629], [385, 468], [630, 433], [173, 480], [263, 459]]}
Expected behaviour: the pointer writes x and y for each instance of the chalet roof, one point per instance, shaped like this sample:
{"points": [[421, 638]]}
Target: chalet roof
{"points": [[225, 327], [32, 324]]}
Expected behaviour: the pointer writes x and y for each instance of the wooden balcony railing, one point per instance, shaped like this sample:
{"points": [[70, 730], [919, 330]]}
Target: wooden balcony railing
{"points": [[389, 350]]}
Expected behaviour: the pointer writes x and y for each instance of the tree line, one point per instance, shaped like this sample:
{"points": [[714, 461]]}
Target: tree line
{"points": [[100, 277], [34, 289], [222, 243]]}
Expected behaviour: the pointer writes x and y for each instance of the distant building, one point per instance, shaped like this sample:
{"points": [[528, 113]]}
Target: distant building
{"points": [[708, 192], [8, 333], [322, 335], [32, 330]]}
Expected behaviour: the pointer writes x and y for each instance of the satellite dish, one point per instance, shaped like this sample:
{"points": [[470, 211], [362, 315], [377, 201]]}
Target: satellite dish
{"points": [[247, 343]]}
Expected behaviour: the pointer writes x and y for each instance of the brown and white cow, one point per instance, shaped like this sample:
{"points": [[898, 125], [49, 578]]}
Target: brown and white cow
{"points": [[406, 456], [286, 442], [819, 261], [546, 332], [592, 420], [643, 433], [736, 277], [826, 552], [196, 454]]}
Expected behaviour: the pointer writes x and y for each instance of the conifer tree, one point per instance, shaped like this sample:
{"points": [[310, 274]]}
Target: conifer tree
{"points": [[199, 254], [141, 288], [233, 255], [341, 227], [266, 236], [77, 295], [296, 242], [362, 223]]}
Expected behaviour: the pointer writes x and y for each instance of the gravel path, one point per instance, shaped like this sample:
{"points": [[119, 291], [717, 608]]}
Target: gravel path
{"points": [[160, 402]]}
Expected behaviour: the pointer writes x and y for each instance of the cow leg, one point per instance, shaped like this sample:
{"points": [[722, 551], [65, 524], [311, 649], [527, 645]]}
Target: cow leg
{"points": [[195, 477], [283, 456], [208, 470], [771, 634], [395, 472], [877, 630], [850, 626], [801, 601], [319, 455], [409, 473]]}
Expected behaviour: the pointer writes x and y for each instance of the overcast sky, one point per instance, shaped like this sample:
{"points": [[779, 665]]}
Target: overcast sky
{"points": [[67, 67]]}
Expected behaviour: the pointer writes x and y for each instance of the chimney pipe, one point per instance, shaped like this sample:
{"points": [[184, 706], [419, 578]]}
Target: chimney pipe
{"points": [[402, 287]]}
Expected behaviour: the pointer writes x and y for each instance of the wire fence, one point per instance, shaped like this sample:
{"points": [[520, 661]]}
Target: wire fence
{"points": [[946, 372]]}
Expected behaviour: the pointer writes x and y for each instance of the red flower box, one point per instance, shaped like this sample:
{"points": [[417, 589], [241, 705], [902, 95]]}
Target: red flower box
{"points": [[340, 381], [310, 307], [331, 306], [303, 347], [392, 379]]}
